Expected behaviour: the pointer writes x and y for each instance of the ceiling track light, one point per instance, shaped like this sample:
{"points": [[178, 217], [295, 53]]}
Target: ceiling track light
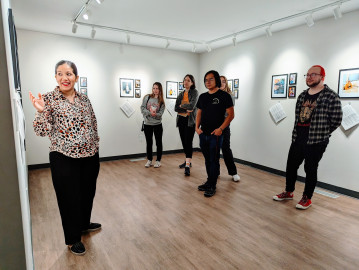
{"points": [[128, 38], [93, 33], [99, 1], [74, 27], [208, 48], [87, 14], [234, 39], [167, 44], [337, 13], [194, 48], [309, 20], [269, 31]]}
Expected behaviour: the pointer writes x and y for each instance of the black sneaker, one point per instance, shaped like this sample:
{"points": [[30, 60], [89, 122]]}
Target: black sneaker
{"points": [[187, 171], [93, 227], [78, 249], [184, 165], [203, 187], [210, 192]]}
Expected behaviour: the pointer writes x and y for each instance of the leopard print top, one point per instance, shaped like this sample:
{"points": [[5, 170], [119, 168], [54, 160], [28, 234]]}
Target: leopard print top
{"points": [[71, 127]]}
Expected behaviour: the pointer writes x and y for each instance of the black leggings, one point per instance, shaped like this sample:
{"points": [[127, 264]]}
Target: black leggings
{"points": [[74, 180], [158, 131], [186, 134]]}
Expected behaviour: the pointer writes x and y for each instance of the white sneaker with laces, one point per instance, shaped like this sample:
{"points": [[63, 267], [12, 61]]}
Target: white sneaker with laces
{"points": [[148, 163], [236, 178], [157, 164]]}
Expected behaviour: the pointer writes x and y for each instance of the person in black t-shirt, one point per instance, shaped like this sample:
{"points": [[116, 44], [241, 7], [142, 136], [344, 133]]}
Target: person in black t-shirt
{"points": [[318, 113], [210, 123]]}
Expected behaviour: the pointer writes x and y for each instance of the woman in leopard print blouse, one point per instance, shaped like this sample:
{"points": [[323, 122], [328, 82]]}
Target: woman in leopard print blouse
{"points": [[67, 118]]}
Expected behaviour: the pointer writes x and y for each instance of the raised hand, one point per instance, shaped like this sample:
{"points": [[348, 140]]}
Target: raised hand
{"points": [[38, 103]]}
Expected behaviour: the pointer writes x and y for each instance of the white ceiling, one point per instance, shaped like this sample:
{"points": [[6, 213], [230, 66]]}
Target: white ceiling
{"points": [[199, 21]]}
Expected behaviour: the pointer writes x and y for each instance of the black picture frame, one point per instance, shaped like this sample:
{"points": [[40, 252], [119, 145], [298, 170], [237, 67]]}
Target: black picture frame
{"points": [[279, 86], [293, 78], [236, 83], [235, 93], [137, 83], [14, 50], [83, 81], [137, 93], [292, 91], [348, 83]]}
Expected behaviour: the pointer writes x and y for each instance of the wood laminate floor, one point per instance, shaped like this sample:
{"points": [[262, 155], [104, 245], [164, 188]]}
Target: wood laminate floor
{"points": [[157, 219]]}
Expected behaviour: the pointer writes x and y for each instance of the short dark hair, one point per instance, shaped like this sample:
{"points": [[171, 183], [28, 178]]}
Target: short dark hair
{"points": [[193, 86], [69, 63], [216, 77]]}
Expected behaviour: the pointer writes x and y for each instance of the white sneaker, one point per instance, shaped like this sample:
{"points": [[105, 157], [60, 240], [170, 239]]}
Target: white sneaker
{"points": [[236, 178], [148, 163], [157, 164]]}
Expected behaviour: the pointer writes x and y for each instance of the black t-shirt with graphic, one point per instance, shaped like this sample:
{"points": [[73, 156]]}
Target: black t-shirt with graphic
{"points": [[213, 108], [305, 117]]}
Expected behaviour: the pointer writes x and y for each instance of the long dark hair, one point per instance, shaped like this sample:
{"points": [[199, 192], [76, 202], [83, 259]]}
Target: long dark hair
{"points": [[69, 63], [193, 86], [216, 77], [160, 94]]}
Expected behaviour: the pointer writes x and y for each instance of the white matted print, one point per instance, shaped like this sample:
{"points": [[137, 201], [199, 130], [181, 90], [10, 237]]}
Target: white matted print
{"points": [[171, 89], [126, 87]]}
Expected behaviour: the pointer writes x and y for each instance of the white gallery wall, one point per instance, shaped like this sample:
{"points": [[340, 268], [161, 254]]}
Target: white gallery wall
{"points": [[103, 63], [255, 136]]}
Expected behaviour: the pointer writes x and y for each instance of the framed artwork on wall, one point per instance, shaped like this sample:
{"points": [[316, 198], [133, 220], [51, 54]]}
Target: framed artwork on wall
{"points": [[180, 86], [126, 87], [235, 93], [235, 83], [279, 86], [348, 85], [137, 83], [83, 91], [292, 78], [137, 93], [292, 91], [83, 81], [171, 89], [230, 84]]}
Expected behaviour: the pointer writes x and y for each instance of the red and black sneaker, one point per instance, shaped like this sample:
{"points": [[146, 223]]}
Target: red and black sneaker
{"points": [[285, 195], [304, 203]]}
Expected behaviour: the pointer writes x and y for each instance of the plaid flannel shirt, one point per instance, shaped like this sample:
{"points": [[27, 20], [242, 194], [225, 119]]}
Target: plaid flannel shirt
{"points": [[326, 117]]}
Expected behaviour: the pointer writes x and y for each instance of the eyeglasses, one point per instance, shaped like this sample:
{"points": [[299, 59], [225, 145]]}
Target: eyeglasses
{"points": [[208, 80], [312, 75]]}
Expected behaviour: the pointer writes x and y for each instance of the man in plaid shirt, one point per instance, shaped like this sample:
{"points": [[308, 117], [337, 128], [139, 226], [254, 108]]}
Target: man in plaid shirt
{"points": [[318, 113]]}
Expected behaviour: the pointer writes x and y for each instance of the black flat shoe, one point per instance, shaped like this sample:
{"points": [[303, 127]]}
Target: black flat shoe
{"points": [[187, 171], [93, 227], [203, 187], [78, 249], [210, 192]]}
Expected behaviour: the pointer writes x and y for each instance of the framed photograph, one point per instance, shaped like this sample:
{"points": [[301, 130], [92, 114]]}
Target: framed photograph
{"points": [[137, 83], [230, 84], [137, 93], [292, 91], [279, 86], [180, 86], [235, 93], [235, 83], [83, 91], [171, 89], [83, 81], [348, 83], [126, 87], [292, 78]]}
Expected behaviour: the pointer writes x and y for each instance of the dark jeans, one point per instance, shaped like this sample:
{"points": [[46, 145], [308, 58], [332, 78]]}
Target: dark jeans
{"points": [[210, 147], [227, 152], [186, 134], [311, 154], [158, 131], [74, 180]]}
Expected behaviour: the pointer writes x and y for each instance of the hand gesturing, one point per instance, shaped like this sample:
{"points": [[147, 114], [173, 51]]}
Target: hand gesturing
{"points": [[38, 103]]}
